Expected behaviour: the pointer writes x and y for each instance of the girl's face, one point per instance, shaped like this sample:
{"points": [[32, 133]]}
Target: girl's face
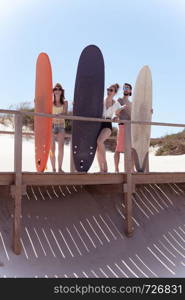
{"points": [[111, 91], [57, 91]]}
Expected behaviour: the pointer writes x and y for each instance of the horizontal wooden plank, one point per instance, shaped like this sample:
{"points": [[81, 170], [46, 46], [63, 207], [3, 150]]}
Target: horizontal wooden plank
{"points": [[7, 178], [156, 123], [158, 177], [72, 178], [29, 133], [70, 117], [34, 178], [62, 116]]}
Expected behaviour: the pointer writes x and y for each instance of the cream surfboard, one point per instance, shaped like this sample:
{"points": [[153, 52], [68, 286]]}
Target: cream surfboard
{"points": [[142, 111]]}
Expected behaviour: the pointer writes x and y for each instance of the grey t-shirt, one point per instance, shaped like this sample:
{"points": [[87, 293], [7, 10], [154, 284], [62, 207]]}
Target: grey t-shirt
{"points": [[125, 114]]}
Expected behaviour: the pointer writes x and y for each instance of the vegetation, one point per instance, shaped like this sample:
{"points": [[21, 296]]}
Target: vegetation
{"points": [[171, 144], [28, 121]]}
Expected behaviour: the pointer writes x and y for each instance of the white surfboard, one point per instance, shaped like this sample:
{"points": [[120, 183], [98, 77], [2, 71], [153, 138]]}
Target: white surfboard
{"points": [[141, 111]]}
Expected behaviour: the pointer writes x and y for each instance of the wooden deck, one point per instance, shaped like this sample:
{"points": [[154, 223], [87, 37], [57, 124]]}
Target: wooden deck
{"points": [[19, 180], [48, 178], [158, 177]]}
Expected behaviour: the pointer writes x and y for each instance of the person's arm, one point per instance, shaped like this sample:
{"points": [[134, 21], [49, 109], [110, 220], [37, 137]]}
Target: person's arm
{"points": [[117, 112], [118, 109]]}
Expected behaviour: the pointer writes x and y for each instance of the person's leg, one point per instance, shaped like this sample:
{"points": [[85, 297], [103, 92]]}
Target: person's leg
{"points": [[101, 154], [116, 160], [52, 153], [61, 136], [119, 146]]}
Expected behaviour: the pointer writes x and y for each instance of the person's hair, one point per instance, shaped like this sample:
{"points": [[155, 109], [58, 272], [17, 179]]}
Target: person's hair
{"points": [[115, 86], [62, 96], [129, 85]]}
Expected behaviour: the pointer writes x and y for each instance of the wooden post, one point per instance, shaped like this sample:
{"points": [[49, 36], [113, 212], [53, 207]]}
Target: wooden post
{"points": [[72, 166], [18, 184], [128, 188]]}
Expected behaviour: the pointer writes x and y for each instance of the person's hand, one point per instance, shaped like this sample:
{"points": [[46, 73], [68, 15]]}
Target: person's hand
{"points": [[122, 108]]}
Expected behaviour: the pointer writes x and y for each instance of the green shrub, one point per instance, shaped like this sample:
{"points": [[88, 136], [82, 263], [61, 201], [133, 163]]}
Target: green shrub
{"points": [[171, 144]]}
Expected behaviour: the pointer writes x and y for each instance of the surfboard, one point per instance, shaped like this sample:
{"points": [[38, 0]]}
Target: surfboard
{"points": [[43, 104], [141, 111], [88, 102]]}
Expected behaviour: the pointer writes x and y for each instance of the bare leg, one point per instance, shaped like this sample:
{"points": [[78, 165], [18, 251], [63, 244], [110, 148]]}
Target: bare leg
{"points": [[52, 153], [101, 153], [61, 136], [116, 160]]}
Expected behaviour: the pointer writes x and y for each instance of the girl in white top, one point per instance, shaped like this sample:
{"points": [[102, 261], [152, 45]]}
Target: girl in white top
{"points": [[110, 107]]}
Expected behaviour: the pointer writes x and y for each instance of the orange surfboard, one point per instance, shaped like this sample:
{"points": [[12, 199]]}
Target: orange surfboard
{"points": [[43, 104]]}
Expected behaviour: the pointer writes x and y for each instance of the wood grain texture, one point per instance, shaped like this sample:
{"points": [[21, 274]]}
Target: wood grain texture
{"points": [[18, 184]]}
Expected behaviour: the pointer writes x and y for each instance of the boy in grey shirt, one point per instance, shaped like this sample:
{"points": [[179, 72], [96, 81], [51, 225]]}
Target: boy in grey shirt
{"points": [[124, 113]]}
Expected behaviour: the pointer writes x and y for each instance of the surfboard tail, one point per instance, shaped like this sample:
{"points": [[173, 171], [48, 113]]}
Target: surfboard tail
{"points": [[141, 167]]}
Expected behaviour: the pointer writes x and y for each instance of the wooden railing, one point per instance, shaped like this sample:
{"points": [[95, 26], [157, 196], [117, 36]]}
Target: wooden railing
{"points": [[16, 189]]}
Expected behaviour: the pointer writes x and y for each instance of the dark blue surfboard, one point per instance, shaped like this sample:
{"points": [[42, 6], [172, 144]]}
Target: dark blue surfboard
{"points": [[88, 102]]}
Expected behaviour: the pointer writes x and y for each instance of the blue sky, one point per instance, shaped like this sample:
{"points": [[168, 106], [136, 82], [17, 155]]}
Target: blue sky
{"points": [[130, 34]]}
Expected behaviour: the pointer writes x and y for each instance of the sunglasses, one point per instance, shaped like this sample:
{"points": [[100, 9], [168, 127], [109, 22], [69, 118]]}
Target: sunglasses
{"points": [[110, 90], [57, 89], [126, 88]]}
